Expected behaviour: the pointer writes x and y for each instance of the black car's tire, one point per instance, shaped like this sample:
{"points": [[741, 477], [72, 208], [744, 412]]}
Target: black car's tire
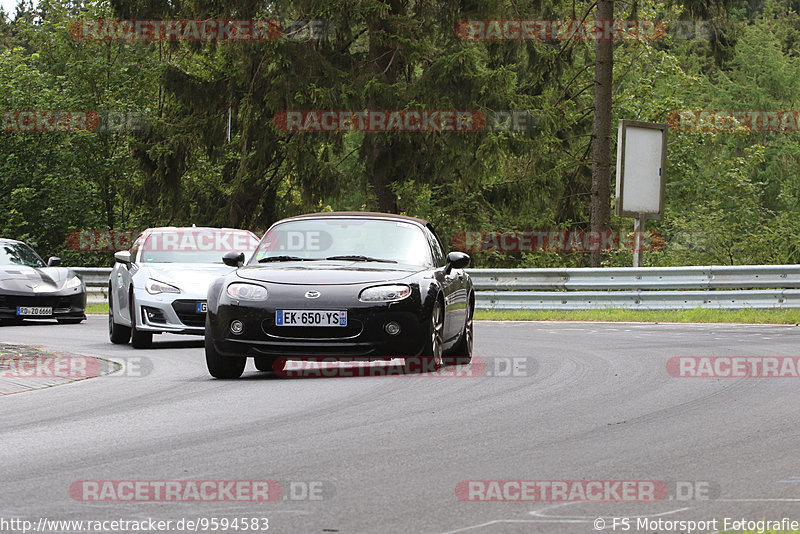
{"points": [[461, 353], [221, 366], [431, 358], [265, 363], [139, 339], [117, 333], [69, 320]]}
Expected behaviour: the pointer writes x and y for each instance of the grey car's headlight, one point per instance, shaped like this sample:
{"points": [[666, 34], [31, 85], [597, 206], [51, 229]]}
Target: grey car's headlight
{"points": [[73, 282], [154, 287], [388, 293], [241, 291]]}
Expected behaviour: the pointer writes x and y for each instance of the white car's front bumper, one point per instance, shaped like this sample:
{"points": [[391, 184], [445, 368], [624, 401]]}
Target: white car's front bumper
{"points": [[178, 313]]}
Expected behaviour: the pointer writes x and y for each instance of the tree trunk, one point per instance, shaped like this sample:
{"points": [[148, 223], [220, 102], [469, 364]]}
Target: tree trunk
{"points": [[601, 130], [387, 66]]}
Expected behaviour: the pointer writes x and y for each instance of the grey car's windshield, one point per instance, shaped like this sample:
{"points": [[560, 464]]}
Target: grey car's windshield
{"points": [[195, 246], [19, 254], [341, 239]]}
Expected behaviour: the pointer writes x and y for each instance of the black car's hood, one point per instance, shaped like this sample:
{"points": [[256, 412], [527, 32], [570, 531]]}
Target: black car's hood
{"points": [[21, 278], [328, 273]]}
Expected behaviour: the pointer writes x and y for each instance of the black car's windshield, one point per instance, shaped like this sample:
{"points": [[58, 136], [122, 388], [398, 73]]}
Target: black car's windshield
{"points": [[343, 239], [194, 245], [19, 254]]}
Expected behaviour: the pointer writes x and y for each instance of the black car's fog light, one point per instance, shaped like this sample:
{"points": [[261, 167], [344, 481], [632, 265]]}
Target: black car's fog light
{"points": [[237, 327], [392, 328]]}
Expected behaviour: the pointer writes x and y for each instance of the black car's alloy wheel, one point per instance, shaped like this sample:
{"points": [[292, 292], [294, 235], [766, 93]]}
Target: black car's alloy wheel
{"points": [[117, 333], [431, 358]]}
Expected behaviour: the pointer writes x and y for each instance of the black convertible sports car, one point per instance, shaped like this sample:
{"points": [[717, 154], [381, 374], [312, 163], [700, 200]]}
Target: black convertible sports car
{"points": [[366, 286], [29, 289]]}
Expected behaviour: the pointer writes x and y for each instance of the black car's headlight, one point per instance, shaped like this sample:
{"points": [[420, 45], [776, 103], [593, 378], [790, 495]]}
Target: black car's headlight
{"points": [[389, 293], [154, 287], [242, 291]]}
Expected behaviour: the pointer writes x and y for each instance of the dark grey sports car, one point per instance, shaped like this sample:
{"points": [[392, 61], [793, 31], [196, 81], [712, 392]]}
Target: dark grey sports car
{"points": [[366, 286], [29, 289]]}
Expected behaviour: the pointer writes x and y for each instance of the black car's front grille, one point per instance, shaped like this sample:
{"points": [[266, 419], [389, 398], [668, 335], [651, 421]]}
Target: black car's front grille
{"points": [[187, 313], [12, 301], [62, 304], [352, 330]]}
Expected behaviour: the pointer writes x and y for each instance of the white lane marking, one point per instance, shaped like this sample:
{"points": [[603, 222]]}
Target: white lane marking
{"points": [[553, 519], [539, 513]]}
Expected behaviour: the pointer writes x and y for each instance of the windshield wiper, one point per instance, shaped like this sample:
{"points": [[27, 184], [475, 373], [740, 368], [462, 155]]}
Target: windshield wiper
{"points": [[359, 258], [285, 258]]}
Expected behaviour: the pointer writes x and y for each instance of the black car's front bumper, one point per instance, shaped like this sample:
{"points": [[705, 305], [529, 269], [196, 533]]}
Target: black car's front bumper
{"points": [[65, 306], [364, 337]]}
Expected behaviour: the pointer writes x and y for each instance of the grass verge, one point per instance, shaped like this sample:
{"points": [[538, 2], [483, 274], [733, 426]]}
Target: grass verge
{"points": [[697, 315]]}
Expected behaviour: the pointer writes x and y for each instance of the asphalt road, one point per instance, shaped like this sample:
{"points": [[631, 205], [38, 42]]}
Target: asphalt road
{"points": [[581, 402]]}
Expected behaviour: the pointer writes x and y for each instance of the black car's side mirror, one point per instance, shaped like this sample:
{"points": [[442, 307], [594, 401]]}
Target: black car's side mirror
{"points": [[233, 259], [123, 256], [457, 260], [54, 261]]}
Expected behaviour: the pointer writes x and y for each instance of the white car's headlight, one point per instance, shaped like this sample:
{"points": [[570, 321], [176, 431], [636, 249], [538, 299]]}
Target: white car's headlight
{"points": [[385, 293], [154, 287], [242, 291]]}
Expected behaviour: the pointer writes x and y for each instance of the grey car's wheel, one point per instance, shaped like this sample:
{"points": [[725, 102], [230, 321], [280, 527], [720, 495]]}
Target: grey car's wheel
{"points": [[461, 353], [139, 339], [117, 333], [221, 366], [431, 358]]}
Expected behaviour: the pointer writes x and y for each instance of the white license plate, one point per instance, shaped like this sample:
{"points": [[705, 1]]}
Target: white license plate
{"points": [[310, 318], [33, 311], [202, 307]]}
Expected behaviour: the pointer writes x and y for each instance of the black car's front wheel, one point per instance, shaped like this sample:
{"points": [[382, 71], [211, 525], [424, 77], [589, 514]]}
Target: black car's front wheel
{"points": [[431, 358], [220, 366]]}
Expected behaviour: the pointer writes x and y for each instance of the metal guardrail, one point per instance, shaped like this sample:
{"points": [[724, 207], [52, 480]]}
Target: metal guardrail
{"points": [[645, 288]]}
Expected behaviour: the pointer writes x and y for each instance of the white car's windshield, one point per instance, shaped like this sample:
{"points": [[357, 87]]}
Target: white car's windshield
{"points": [[354, 239], [195, 246]]}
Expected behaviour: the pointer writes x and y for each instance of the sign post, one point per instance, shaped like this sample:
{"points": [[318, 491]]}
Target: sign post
{"points": [[641, 161]]}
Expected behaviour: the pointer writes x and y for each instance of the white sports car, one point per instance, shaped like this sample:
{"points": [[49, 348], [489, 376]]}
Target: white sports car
{"points": [[161, 284]]}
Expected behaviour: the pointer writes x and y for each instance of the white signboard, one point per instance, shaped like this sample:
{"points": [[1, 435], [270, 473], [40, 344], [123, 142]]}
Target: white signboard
{"points": [[641, 161]]}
